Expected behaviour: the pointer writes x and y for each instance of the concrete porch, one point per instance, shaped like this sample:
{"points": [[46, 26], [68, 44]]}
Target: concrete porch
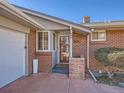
{"points": [[57, 83]]}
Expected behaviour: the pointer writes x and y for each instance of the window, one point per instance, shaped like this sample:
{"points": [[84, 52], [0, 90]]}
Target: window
{"points": [[42, 41], [98, 35]]}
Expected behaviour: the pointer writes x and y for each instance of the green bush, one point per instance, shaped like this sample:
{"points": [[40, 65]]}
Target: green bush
{"points": [[110, 56]]}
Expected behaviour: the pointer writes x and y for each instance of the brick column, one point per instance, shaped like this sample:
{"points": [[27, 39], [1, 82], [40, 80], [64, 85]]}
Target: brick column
{"points": [[77, 68]]}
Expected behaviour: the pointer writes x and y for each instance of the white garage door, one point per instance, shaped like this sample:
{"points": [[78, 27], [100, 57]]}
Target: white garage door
{"points": [[12, 55]]}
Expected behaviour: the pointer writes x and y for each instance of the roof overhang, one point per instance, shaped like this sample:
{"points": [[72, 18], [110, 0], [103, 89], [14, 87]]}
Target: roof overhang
{"points": [[84, 29], [15, 14], [108, 25]]}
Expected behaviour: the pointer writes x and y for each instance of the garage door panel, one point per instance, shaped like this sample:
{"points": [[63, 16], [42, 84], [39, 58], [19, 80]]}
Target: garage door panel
{"points": [[12, 55]]}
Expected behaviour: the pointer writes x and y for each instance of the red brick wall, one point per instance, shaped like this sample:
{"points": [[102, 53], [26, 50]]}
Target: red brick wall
{"points": [[79, 45], [114, 39], [44, 58], [45, 61], [31, 49]]}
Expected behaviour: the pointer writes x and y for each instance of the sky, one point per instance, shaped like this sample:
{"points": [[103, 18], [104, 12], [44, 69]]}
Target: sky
{"points": [[74, 10]]}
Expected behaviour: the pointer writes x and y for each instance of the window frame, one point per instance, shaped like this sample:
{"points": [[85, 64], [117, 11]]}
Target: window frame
{"points": [[54, 42], [98, 32], [38, 50]]}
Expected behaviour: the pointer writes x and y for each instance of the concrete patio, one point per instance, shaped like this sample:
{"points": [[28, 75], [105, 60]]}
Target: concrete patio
{"points": [[57, 83]]}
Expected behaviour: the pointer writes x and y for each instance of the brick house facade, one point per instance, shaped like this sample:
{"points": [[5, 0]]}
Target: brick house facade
{"points": [[45, 58], [79, 42], [114, 38], [50, 41]]}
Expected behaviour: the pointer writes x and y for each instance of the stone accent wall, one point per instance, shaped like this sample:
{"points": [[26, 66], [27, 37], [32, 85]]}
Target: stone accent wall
{"points": [[77, 68]]}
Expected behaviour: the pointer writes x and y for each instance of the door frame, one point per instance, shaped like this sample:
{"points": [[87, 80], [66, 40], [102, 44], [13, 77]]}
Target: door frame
{"points": [[59, 35]]}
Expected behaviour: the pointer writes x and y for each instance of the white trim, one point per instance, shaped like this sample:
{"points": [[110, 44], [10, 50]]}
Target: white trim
{"points": [[56, 41], [44, 50], [37, 41], [58, 48], [98, 32], [49, 35], [13, 25], [59, 35], [37, 50], [105, 24], [21, 15], [26, 55]]}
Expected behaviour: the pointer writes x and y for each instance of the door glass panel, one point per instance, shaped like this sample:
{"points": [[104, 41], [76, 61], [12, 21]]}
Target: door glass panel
{"points": [[64, 49]]}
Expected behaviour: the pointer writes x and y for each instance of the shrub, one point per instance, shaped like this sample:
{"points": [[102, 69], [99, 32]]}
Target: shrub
{"points": [[110, 56], [117, 58]]}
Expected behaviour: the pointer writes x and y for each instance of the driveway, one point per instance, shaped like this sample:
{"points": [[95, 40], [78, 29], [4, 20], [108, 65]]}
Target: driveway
{"points": [[57, 83]]}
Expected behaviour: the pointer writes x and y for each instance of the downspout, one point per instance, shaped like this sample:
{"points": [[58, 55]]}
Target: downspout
{"points": [[88, 52], [71, 34]]}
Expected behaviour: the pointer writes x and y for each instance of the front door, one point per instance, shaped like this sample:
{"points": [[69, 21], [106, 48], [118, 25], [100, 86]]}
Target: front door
{"points": [[64, 49]]}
